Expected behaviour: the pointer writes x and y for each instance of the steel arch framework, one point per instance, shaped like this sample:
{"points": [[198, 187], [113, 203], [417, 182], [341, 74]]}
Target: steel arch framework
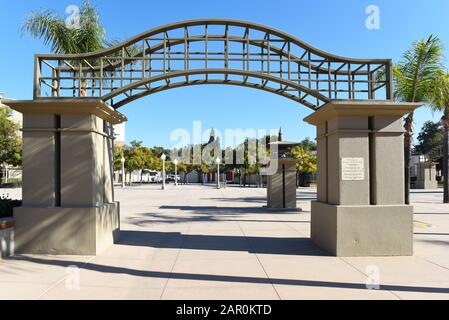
{"points": [[212, 51]]}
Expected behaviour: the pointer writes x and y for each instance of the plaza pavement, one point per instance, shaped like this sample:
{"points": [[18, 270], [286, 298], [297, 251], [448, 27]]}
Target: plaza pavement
{"points": [[197, 242]]}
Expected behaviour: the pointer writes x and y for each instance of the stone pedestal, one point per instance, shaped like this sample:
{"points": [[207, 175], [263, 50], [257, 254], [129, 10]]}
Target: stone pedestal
{"points": [[68, 200], [281, 185], [360, 208], [426, 176]]}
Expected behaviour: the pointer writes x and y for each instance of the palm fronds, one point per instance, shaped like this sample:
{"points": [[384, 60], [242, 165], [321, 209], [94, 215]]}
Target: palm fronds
{"points": [[88, 36], [440, 95], [415, 74]]}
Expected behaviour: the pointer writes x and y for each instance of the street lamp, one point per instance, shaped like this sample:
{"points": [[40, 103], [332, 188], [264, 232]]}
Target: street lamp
{"points": [[217, 161], [163, 157], [122, 160], [176, 171]]}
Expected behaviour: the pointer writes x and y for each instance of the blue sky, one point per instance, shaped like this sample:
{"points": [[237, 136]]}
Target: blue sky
{"points": [[334, 26]]}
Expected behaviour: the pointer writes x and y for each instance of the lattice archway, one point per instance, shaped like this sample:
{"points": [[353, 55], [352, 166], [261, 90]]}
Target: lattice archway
{"points": [[68, 192], [212, 51]]}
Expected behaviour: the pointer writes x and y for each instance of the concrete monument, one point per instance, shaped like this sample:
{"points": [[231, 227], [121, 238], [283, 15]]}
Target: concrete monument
{"points": [[281, 184], [360, 209]]}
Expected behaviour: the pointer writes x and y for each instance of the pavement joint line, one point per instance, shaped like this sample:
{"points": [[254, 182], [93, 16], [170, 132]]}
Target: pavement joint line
{"points": [[258, 259], [54, 285], [366, 275], [432, 262], [153, 257], [293, 228], [174, 263]]}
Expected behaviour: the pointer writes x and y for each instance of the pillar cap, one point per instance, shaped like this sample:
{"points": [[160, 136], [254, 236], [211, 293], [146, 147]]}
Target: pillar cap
{"points": [[67, 106], [361, 108]]}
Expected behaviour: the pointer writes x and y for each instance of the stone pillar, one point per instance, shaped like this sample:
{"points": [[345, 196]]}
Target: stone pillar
{"points": [[68, 200], [360, 208], [281, 185], [426, 176]]}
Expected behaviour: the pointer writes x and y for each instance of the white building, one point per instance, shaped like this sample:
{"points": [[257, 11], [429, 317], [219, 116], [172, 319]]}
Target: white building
{"points": [[119, 133], [14, 115]]}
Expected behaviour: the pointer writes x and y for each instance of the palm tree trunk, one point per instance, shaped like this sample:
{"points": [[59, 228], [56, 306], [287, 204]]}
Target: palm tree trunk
{"points": [[446, 156], [83, 89], [407, 155], [5, 173]]}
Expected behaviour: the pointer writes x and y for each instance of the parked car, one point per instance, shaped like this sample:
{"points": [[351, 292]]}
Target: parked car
{"points": [[153, 176], [171, 178]]}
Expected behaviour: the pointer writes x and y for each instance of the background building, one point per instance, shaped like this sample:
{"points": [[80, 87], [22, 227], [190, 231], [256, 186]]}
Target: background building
{"points": [[11, 172], [119, 133]]}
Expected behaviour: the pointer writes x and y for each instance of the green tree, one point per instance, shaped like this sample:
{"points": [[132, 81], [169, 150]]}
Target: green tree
{"points": [[431, 136], [306, 163], [203, 169], [414, 77], [440, 101], [134, 157], [88, 36], [118, 153], [182, 167], [252, 160], [10, 141], [305, 160], [308, 144]]}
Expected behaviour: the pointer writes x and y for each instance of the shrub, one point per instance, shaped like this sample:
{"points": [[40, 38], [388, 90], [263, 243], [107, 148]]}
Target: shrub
{"points": [[7, 205], [12, 183]]}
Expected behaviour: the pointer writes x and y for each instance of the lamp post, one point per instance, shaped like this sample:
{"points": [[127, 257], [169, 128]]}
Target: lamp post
{"points": [[217, 161], [122, 160], [163, 157], [176, 171]]}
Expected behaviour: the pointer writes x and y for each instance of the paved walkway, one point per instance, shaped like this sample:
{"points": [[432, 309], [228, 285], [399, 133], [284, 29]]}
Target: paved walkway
{"points": [[198, 242]]}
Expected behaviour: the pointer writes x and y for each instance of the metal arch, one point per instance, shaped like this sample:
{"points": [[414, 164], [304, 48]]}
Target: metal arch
{"points": [[245, 74], [210, 81], [284, 65], [211, 21], [169, 43], [178, 74]]}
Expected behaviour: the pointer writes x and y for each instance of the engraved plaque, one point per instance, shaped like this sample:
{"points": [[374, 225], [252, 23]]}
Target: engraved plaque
{"points": [[352, 169]]}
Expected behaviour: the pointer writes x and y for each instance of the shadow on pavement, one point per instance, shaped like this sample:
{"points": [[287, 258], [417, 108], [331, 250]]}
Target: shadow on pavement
{"points": [[261, 245], [144, 219], [224, 278], [215, 210], [300, 195]]}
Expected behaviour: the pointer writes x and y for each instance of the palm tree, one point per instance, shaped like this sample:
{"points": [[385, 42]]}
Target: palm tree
{"points": [[440, 102], [414, 78], [88, 36]]}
